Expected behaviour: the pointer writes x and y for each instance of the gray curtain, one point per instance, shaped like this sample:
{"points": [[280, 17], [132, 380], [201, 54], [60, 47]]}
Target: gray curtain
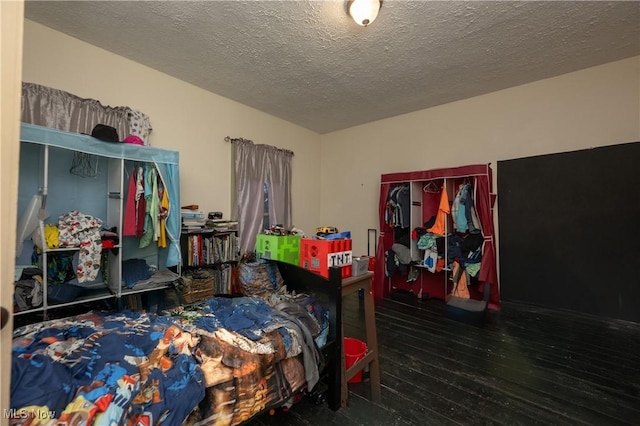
{"points": [[255, 165], [61, 110], [279, 180]]}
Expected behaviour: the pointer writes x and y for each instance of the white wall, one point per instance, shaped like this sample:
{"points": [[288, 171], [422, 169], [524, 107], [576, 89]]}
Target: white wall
{"points": [[184, 118], [593, 107]]}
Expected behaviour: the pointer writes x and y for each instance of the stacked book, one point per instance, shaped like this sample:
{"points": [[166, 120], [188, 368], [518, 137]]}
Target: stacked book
{"points": [[222, 225], [193, 220]]}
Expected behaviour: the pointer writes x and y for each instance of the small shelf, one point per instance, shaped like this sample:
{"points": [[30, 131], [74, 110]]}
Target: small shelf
{"points": [[29, 311], [90, 295], [144, 289], [160, 280], [214, 250], [208, 231], [210, 265], [63, 249], [60, 249], [208, 248]]}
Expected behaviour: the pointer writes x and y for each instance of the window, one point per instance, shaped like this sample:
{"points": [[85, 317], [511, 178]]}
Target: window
{"points": [[262, 178], [266, 223]]}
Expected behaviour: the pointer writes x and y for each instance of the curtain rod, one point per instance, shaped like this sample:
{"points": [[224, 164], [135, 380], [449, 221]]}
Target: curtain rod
{"points": [[232, 140]]}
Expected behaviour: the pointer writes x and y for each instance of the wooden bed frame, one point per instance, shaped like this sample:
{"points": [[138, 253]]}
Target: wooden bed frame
{"points": [[328, 292]]}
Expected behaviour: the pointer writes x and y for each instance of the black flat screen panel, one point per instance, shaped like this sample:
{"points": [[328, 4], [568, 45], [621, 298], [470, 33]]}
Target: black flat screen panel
{"points": [[569, 229]]}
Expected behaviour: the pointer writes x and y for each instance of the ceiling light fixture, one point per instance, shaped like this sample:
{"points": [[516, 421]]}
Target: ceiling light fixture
{"points": [[364, 12]]}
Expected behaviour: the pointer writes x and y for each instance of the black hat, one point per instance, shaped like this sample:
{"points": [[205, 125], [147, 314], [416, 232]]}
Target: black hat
{"points": [[105, 133]]}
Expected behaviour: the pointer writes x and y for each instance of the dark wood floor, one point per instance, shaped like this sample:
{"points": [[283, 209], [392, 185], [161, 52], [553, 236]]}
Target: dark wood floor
{"points": [[523, 366]]}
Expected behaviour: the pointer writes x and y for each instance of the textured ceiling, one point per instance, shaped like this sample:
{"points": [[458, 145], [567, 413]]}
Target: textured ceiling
{"points": [[307, 62]]}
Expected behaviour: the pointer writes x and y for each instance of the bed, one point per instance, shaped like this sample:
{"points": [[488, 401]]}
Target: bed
{"points": [[221, 362]]}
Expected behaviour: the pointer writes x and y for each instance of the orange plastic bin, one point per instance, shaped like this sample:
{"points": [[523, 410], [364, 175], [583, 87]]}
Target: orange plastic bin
{"points": [[354, 350]]}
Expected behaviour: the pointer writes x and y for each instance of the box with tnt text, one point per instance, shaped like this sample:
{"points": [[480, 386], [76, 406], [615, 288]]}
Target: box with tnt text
{"points": [[319, 255]]}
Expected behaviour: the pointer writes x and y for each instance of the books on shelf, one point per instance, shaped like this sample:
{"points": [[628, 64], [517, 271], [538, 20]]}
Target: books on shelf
{"points": [[206, 249]]}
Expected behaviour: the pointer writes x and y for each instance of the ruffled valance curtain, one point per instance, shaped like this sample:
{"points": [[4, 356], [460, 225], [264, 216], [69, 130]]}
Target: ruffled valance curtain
{"points": [[61, 110]]}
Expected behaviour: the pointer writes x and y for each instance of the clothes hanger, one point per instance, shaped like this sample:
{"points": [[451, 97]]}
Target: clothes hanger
{"points": [[84, 165], [432, 187]]}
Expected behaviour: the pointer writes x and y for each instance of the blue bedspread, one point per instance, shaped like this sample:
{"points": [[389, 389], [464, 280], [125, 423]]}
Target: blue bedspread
{"points": [[98, 369], [216, 363]]}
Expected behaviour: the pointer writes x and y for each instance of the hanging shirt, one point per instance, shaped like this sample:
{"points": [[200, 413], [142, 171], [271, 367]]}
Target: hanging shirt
{"points": [[141, 204], [129, 225], [398, 208], [82, 230], [152, 221], [459, 210], [440, 226], [164, 210], [470, 211], [403, 197]]}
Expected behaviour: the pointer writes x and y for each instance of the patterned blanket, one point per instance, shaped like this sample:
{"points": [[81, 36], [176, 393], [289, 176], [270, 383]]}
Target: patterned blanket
{"points": [[219, 364]]}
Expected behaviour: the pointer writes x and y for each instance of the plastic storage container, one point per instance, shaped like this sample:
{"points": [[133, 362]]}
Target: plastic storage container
{"points": [[285, 248], [359, 266]]}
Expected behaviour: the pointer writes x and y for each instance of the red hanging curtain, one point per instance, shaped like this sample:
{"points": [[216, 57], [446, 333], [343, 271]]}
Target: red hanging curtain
{"points": [[484, 206], [385, 239]]}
